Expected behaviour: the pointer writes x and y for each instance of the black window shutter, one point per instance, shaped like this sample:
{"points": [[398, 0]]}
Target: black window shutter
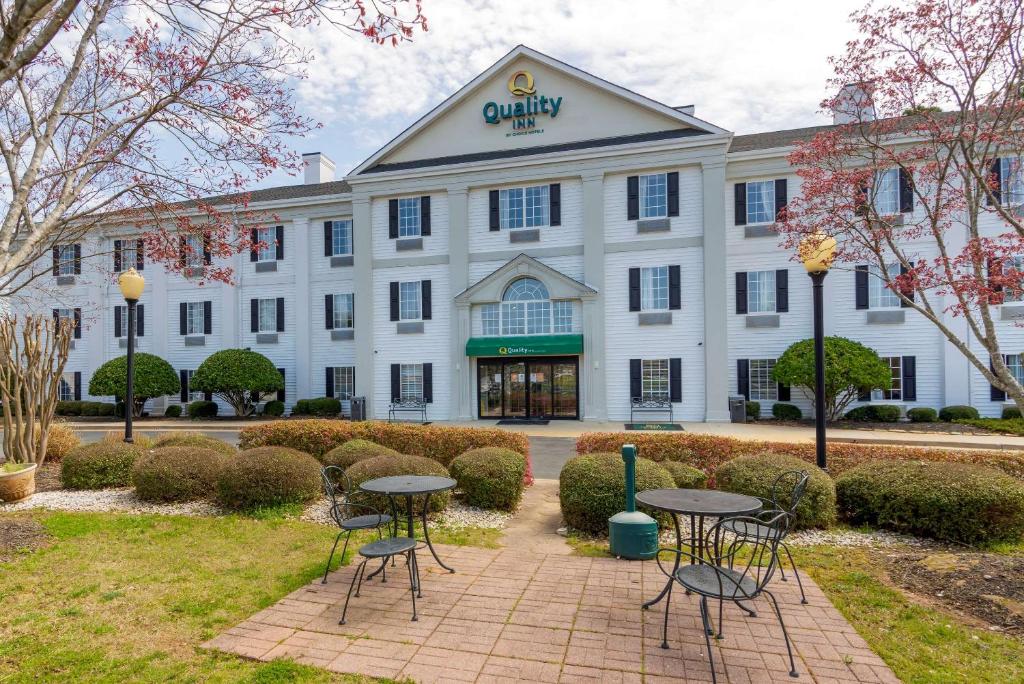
{"points": [[909, 378], [182, 251], [140, 320], [329, 382], [280, 392], [56, 315], [994, 393], [634, 289], [428, 383], [207, 318], [673, 193], [995, 181], [117, 255], [493, 212], [635, 386], [741, 292], [908, 292], [861, 286], [396, 382], [78, 323], [254, 315], [78, 259], [906, 192], [743, 377], [78, 385], [207, 251], [393, 219], [555, 204], [280, 314], [254, 237], [740, 204], [783, 392], [675, 380], [781, 197], [675, 300], [329, 311], [280, 244], [394, 301], [183, 381], [782, 290], [140, 256], [117, 321], [632, 198], [182, 317], [328, 238], [426, 310], [56, 261], [425, 215]]}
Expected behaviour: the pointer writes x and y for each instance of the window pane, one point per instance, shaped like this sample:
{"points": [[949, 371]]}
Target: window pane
{"points": [[538, 318], [489, 316], [1013, 269], [66, 391], [537, 206], [268, 315], [194, 251], [1013, 363], [654, 196], [887, 192], [409, 301], [344, 382], [760, 291], [66, 260], [563, 316], [510, 206], [896, 393], [411, 377], [194, 324], [343, 314], [267, 236], [654, 288], [513, 318], [1011, 180], [129, 254], [762, 387], [525, 289], [880, 295], [761, 202], [409, 217], [654, 379], [341, 238]]}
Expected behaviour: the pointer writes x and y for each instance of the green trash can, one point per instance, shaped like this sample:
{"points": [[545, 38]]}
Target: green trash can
{"points": [[632, 534]]}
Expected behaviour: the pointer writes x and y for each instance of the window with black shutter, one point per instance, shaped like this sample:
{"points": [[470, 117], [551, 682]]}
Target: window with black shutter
{"points": [[675, 297], [329, 382], [494, 210], [183, 381], [995, 182], [673, 193], [906, 192], [740, 204], [994, 393], [207, 318], [743, 378], [140, 320], [781, 198], [396, 382], [393, 219], [329, 311], [634, 289], [635, 380], [117, 255], [280, 314], [426, 311], [741, 292], [428, 383], [632, 198], [280, 392], [555, 204], [78, 324], [861, 286], [78, 385], [782, 290], [117, 322], [909, 368], [393, 292], [328, 238], [425, 215], [280, 243], [675, 380]]}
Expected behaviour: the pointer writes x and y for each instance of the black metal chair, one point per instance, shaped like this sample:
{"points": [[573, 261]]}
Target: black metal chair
{"points": [[385, 549], [349, 515], [787, 491], [732, 566]]}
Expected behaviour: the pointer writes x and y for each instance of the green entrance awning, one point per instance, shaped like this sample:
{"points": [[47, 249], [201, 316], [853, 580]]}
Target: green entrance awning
{"points": [[528, 345]]}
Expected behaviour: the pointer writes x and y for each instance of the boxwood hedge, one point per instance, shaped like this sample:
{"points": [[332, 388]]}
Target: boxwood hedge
{"points": [[754, 475], [177, 473], [686, 476], [103, 464], [194, 439], [353, 451], [490, 477], [268, 476], [592, 488], [387, 466]]}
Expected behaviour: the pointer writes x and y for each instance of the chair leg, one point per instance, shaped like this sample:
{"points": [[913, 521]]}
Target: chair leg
{"points": [[412, 585], [416, 570], [348, 596], [803, 596], [664, 628], [720, 602], [708, 630], [331, 557], [789, 649]]}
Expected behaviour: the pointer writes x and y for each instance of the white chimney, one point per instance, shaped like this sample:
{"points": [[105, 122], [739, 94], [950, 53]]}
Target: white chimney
{"points": [[319, 168], [853, 104]]}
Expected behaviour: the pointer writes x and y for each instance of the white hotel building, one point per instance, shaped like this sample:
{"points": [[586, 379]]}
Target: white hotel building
{"points": [[554, 261]]}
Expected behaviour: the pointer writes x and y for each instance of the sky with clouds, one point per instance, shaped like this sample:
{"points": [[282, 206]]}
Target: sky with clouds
{"points": [[747, 65]]}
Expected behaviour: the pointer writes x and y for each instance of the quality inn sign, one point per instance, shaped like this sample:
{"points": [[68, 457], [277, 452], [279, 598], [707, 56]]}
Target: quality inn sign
{"points": [[522, 113]]}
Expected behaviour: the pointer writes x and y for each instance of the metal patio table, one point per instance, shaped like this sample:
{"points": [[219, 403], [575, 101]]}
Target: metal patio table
{"points": [[697, 504], [409, 487]]}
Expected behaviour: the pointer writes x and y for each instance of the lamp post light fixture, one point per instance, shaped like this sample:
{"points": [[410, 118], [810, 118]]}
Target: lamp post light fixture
{"points": [[131, 284], [817, 252]]}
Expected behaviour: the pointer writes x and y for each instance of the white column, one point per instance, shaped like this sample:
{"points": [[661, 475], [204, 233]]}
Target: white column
{"points": [[303, 317], [592, 372], [458, 277], [362, 271], [716, 354]]}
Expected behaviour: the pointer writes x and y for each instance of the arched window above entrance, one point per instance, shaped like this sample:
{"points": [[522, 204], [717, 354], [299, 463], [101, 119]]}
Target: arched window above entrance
{"points": [[526, 308], [526, 290]]}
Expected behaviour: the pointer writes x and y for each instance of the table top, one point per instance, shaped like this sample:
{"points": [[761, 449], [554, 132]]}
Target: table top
{"points": [[709, 502], [408, 485]]}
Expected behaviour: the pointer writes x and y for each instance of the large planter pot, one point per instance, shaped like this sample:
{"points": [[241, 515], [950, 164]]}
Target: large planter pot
{"points": [[18, 485]]}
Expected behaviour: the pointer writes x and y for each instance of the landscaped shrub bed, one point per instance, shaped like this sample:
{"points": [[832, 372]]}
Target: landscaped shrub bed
{"points": [[387, 466], [273, 408], [754, 475], [203, 409], [172, 411], [439, 442], [922, 414], [324, 406], [353, 451], [84, 408], [753, 409], [686, 476], [783, 411], [592, 488], [707, 452], [107, 463], [874, 413], [956, 502], [490, 477], [958, 413], [177, 473], [268, 476], [194, 439], [1010, 413]]}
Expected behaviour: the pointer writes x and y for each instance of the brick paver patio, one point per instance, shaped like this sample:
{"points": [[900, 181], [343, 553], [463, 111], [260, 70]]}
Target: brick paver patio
{"points": [[510, 616]]}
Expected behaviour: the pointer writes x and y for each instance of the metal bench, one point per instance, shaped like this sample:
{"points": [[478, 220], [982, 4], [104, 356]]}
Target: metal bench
{"points": [[407, 406], [660, 404]]}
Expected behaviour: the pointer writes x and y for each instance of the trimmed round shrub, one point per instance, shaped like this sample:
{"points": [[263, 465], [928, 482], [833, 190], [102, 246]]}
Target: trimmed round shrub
{"points": [[922, 414], [103, 464], [196, 440], [1010, 413], [202, 409], [353, 451], [755, 474], [884, 413], [386, 466], [273, 408], [955, 502], [177, 473], [784, 411], [685, 476], [268, 476], [241, 377], [950, 414], [324, 407], [172, 411], [154, 377], [592, 488], [860, 414], [753, 410], [491, 477]]}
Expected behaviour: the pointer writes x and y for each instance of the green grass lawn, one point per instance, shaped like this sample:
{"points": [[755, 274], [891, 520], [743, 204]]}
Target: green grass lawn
{"points": [[119, 598]]}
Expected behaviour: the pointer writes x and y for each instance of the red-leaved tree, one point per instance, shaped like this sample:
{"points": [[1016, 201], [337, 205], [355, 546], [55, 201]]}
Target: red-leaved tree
{"points": [[924, 180], [132, 111]]}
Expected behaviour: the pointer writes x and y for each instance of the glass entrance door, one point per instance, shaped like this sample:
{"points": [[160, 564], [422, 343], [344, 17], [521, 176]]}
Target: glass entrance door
{"points": [[543, 387], [540, 389], [515, 390]]}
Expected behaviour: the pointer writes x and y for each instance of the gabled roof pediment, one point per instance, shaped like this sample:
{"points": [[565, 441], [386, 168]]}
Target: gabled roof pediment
{"points": [[491, 287]]}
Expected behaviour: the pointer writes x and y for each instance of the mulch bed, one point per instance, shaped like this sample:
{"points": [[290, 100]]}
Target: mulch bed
{"points": [[48, 477], [985, 586], [21, 535]]}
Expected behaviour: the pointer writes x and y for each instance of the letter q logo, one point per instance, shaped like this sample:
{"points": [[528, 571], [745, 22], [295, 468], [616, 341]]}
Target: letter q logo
{"points": [[521, 84]]}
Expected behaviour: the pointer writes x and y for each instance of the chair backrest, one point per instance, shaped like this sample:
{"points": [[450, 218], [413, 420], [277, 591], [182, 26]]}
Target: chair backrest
{"points": [[788, 489], [748, 545], [338, 488]]}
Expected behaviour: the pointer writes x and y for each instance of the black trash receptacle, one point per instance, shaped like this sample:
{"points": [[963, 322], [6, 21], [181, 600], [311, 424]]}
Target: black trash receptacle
{"points": [[358, 408], [738, 409]]}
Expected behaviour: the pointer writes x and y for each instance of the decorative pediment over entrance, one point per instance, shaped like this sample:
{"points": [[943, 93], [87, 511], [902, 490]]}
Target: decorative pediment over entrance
{"points": [[491, 288]]}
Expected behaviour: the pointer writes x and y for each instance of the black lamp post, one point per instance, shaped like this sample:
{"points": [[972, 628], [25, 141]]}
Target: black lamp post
{"points": [[131, 284], [817, 252]]}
